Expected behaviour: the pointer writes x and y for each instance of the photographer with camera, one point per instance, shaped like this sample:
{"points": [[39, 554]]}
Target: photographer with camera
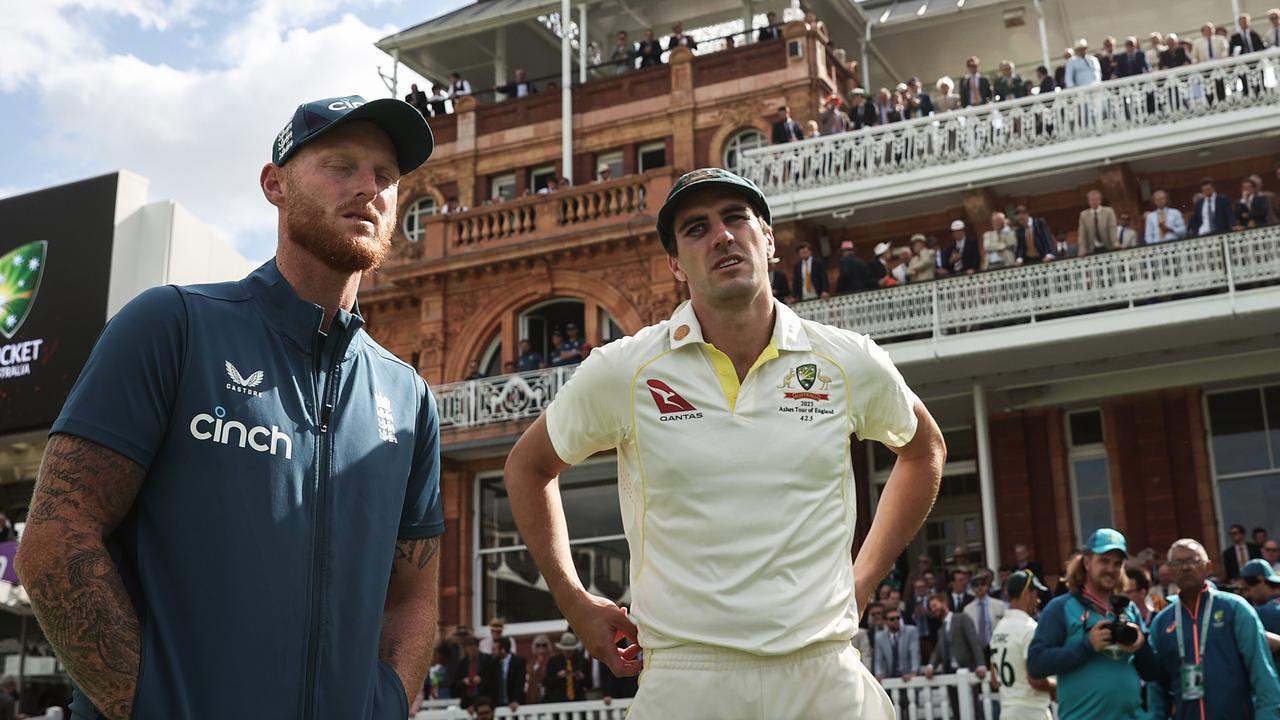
{"points": [[1210, 649], [1094, 642]]}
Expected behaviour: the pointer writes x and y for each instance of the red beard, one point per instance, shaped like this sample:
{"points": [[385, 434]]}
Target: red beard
{"points": [[341, 249]]}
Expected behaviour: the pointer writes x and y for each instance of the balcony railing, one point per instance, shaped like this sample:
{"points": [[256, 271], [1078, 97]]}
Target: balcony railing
{"points": [[984, 131], [1218, 263], [1031, 292]]}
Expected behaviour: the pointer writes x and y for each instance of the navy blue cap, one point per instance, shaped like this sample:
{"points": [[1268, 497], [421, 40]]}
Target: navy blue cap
{"points": [[1018, 582], [407, 128], [1260, 568], [702, 178], [1104, 540]]}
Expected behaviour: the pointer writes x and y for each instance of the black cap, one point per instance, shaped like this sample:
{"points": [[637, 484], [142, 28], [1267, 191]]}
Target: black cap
{"points": [[701, 178], [1018, 582], [407, 128]]}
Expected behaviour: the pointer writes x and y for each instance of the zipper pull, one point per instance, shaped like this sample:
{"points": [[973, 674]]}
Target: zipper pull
{"points": [[325, 414]]}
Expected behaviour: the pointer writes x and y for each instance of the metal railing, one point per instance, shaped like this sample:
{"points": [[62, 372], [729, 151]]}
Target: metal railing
{"points": [[582, 710], [1031, 292], [500, 398], [984, 131]]}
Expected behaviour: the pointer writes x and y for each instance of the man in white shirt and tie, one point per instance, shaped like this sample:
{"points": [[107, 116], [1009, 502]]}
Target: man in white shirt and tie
{"points": [[1209, 46], [1126, 236], [1164, 223], [1273, 32], [984, 610]]}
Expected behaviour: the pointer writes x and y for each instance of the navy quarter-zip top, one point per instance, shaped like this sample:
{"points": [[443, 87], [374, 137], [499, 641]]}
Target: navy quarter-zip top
{"points": [[284, 459]]}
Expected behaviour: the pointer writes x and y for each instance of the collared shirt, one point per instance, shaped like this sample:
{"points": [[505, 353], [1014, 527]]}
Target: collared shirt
{"points": [[702, 457], [1206, 227], [1172, 220], [1083, 71], [1009, 643]]}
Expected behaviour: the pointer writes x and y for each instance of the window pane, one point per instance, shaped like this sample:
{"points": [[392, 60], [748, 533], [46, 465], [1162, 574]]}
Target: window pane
{"points": [[1239, 444], [1094, 514], [512, 588], [589, 494], [1271, 397], [1086, 427], [592, 509], [497, 526], [1252, 502], [1091, 478]]}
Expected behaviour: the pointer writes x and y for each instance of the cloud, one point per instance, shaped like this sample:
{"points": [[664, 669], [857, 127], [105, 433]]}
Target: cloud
{"points": [[202, 135]]}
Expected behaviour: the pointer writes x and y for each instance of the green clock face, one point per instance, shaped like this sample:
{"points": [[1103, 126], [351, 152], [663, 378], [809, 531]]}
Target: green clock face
{"points": [[20, 273]]}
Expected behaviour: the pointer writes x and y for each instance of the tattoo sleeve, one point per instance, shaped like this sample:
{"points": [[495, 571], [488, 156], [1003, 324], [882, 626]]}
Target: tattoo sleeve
{"points": [[411, 611], [82, 493]]}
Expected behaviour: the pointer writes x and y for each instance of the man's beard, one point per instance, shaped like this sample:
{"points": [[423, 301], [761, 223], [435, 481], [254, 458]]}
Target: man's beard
{"points": [[310, 228]]}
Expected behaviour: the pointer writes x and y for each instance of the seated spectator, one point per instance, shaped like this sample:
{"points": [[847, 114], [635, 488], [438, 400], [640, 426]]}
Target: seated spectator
{"points": [[623, 55], [1126, 236], [1163, 223], [1105, 57], [998, 243], [1096, 231], [1009, 84], [921, 104], [418, 100], [1044, 81], [811, 130], [1132, 61], [1035, 239], [438, 100], [520, 87], [1245, 40], [457, 86], [947, 100], [1082, 69], [885, 110], [1214, 212], [649, 50], [772, 29], [833, 118], [604, 173], [963, 257], [1209, 46], [861, 113], [974, 88], [678, 38], [1253, 209], [785, 129], [922, 263], [1175, 53], [1155, 50]]}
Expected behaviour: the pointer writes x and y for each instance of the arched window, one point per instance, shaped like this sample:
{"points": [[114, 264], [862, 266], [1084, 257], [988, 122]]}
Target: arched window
{"points": [[748, 139], [421, 209]]}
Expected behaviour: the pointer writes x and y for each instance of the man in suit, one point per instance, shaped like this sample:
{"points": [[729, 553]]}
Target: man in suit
{"points": [[1273, 32], [879, 265], [649, 50], [1239, 552], [786, 130], [512, 673], [520, 87], [1213, 214], [921, 103], [809, 280], [957, 595], [854, 275], [1253, 209], [772, 29], [861, 113], [1132, 61], [865, 639], [957, 647], [418, 100], [885, 111], [566, 679], [1269, 197], [778, 282], [678, 38], [1097, 228], [1174, 54], [964, 257], [477, 674], [974, 88], [985, 611], [1022, 560], [1245, 40], [1060, 248], [1106, 62], [1209, 46], [1035, 240], [897, 648]]}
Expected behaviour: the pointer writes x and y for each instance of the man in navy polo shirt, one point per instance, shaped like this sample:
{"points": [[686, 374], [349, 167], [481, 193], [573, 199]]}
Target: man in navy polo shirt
{"points": [[238, 510]]}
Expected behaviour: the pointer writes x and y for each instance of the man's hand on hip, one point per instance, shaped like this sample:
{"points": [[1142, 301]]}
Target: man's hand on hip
{"points": [[600, 624]]}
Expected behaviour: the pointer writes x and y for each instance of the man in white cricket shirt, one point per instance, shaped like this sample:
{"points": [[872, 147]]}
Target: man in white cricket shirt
{"points": [[732, 422], [1022, 697]]}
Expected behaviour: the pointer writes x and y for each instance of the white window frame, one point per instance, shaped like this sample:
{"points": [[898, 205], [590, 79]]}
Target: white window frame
{"points": [[735, 145], [1214, 478], [413, 217], [480, 622], [1089, 451], [651, 147], [499, 181], [494, 347]]}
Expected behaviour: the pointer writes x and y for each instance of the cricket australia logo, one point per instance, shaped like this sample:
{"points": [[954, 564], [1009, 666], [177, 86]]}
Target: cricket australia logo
{"points": [[806, 375], [386, 421], [242, 384], [20, 273]]}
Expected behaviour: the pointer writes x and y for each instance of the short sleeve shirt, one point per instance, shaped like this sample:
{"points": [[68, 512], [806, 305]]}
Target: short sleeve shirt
{"points": [[1009, 642], [737, 498]]}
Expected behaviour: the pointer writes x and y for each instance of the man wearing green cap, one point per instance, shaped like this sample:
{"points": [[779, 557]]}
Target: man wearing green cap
{"points": [[732, 423], [1098, 677], [1022, 696], [1262, 589], [238, 510]]}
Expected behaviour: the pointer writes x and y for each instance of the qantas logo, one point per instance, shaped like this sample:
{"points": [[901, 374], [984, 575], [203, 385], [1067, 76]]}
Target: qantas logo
{"points": [[670, 405]]}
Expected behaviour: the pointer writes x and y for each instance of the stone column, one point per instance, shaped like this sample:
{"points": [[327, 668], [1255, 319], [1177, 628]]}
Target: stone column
{"points": [[1119, 187], [978, 206], [682, 108]]}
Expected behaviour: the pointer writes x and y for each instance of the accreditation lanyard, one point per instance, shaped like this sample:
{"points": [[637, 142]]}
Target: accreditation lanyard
{"points": [[1193, 673]]}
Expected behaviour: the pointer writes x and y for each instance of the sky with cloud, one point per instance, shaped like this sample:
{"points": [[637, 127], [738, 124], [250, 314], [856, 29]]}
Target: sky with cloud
{"points": [[187, 93]]}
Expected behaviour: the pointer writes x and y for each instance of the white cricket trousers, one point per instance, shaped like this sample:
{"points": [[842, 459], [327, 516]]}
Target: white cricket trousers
{"points": [[823, 680], [1013, 712]]}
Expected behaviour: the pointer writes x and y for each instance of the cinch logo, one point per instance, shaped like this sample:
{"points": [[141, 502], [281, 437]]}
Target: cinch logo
{"points": [[669, 402], [344, 104], [20, 271], [259, 439]]}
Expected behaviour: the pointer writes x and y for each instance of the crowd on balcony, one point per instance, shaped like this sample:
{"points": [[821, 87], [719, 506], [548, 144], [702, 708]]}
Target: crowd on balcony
{"points": [[910, 99], [1025, 239]]}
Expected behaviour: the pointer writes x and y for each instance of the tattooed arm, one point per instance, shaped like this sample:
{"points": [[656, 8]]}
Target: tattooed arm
{"points": [[82, 493], [411, 610]]}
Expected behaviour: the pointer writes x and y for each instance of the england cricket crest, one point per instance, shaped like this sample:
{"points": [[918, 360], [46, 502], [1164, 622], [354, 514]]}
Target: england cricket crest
{"points": [[806, 375]]}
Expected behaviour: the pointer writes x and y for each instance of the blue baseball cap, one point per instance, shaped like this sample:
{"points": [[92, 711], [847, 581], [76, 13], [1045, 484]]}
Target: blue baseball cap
{"points": [[1260, 568], [406, 127], [1104, 540], [1018, 582], [705, 177]]}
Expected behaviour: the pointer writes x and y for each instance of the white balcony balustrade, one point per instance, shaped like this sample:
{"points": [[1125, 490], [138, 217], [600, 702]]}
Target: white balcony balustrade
{"points": [[1216, 87]]}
